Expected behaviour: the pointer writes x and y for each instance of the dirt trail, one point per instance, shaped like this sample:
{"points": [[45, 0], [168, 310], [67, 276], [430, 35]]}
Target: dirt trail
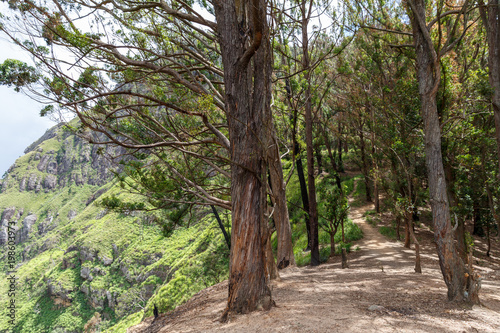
{"points": [[378, 293], [377, 250]]}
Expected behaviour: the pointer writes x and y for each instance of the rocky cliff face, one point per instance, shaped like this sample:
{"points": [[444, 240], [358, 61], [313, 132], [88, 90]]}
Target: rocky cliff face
{"points": [[60, 160], [75, 259]]}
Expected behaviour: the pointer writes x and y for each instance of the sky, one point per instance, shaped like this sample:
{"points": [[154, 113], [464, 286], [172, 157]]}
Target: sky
{"points": [[20, 121]]}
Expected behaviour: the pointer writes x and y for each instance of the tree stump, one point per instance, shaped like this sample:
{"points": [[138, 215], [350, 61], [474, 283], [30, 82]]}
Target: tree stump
{"points": [[345, 264]]}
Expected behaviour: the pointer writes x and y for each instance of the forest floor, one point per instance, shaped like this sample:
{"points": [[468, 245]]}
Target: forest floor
{"points": [[379, 292]]}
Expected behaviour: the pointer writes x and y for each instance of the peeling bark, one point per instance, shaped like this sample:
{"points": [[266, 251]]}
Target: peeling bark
{"points": [[247, 77]]}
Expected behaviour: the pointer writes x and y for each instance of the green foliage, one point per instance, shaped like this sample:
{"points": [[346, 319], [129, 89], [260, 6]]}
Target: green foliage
{"points": [[359, 193], [124, 323], [366, 95], [469, 242], [328, 194], [348, 184], [352, 233], [17, 73], [142, 264], [114, 203], [332, 206], [389, 232], [373, 220], [369, 212]]}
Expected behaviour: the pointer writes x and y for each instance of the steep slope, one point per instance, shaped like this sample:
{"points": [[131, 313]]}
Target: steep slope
{"points": [[79, 267], [379, 293]]}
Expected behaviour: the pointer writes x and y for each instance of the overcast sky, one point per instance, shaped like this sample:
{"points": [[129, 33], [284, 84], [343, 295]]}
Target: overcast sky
{"points": [[20, 121]]}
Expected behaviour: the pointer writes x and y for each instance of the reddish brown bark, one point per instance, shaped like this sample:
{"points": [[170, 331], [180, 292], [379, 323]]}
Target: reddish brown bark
{"points": [[407, 233], [247, 75], [271, 268], [332, 241]]}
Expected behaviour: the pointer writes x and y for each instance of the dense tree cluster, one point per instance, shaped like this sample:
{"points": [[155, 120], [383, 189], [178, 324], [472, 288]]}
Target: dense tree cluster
{"points": [[211, 98]]}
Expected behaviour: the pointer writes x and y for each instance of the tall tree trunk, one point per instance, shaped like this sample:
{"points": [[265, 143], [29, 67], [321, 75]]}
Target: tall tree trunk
{"points": [[221, 226], [339, 149], [317, 152], [313, 213], [428, 74], [332, 243], [398, 223], [492, 207], [477, 218], [451, 265], [411, 226], [418, 266], [490, 204], [343, 231], [407, 232], [247, 78], [375, 166], [300, 166], [365, 165], [488, 239], [281, 217], [460, 231], [271, 267], [305, 199], [332, 160], [490, 16]]}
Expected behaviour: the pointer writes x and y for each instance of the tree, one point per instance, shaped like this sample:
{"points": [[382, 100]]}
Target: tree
{"points": [[490, 16], [303, 50], [248, 99], [460, 286], [334, 207], [159, 55], [306, 9]]}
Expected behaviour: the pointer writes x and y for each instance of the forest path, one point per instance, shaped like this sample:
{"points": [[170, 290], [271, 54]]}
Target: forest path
{"points": [[380, 292], [377, 250]]}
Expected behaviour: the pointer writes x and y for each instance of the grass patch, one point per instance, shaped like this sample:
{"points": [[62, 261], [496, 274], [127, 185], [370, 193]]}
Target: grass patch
{"points": [[359, 194], [373, 220], [369, 213], [125, 323], [389, 232], [349, 181]]}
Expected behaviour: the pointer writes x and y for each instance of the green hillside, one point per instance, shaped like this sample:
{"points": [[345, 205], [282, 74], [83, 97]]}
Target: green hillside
{"points": [[78, 264]]}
